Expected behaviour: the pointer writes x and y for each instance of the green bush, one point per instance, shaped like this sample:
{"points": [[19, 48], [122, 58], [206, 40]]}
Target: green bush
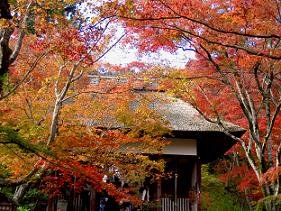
{"points": [[214, 196]]}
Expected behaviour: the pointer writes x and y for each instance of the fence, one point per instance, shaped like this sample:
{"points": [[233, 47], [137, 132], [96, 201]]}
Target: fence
{"points": [[63, 202], [171, 204], [7, 207]]}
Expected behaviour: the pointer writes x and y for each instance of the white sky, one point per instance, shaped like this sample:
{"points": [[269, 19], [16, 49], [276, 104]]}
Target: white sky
{"points": [[124, 55]]}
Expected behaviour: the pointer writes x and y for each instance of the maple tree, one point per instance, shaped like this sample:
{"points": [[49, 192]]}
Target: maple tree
{"points": [[44, 125], [28, 18], [235, 75]]}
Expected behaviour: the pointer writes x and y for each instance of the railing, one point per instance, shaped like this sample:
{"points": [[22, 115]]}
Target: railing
{"points": [[171, 204], [7, 207], [63, 202]]}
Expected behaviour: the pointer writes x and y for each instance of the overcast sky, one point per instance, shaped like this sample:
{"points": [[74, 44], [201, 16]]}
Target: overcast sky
{"points": [[124, 55]]}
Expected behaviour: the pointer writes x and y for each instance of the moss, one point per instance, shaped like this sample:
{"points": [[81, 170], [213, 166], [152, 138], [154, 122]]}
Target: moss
{"points": [[214, 195]]}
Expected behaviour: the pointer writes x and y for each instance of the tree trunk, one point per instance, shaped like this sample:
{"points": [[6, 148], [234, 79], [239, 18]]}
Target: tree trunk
{"points": [[5, 53], [54, 124], [5, 9], [20, 192]]}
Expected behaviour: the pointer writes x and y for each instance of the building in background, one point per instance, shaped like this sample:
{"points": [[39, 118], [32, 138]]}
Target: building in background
{"points": [[193, 141]]}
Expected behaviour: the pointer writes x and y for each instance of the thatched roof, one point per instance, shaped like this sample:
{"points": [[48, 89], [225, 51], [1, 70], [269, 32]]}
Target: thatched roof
{"points": [[183, 117], [180, 115], [186, 122]]}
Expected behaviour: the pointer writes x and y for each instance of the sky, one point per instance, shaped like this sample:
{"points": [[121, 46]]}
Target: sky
{"points": [[121, 55]]}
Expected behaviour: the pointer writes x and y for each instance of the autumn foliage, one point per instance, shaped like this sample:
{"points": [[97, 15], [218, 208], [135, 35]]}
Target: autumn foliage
{"points": [[52, 117], [235, 75], [54, 123]]}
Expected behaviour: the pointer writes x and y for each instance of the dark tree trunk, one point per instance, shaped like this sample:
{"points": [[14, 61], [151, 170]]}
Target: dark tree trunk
{"points": [[5, 10], [5, 53]]}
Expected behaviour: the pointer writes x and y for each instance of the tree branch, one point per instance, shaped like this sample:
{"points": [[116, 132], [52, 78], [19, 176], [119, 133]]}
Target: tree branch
{"points": [[33, 66]]}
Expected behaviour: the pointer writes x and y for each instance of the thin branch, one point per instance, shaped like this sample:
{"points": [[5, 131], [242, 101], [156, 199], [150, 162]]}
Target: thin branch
{"points": [[77, 77], [253, 114], [179, 16], [235, 46], [17, 182], [57, 92], [239, 95], [34, 64], [272, 122], [225, 130], [30, 109], [112, 46], [69, 81]]}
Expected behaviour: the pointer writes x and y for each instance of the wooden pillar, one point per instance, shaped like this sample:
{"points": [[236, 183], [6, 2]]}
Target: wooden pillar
{"points": [[93, 199], [176, 191], [199, 183], [194, 186], [51, 204], [158, 191]]}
